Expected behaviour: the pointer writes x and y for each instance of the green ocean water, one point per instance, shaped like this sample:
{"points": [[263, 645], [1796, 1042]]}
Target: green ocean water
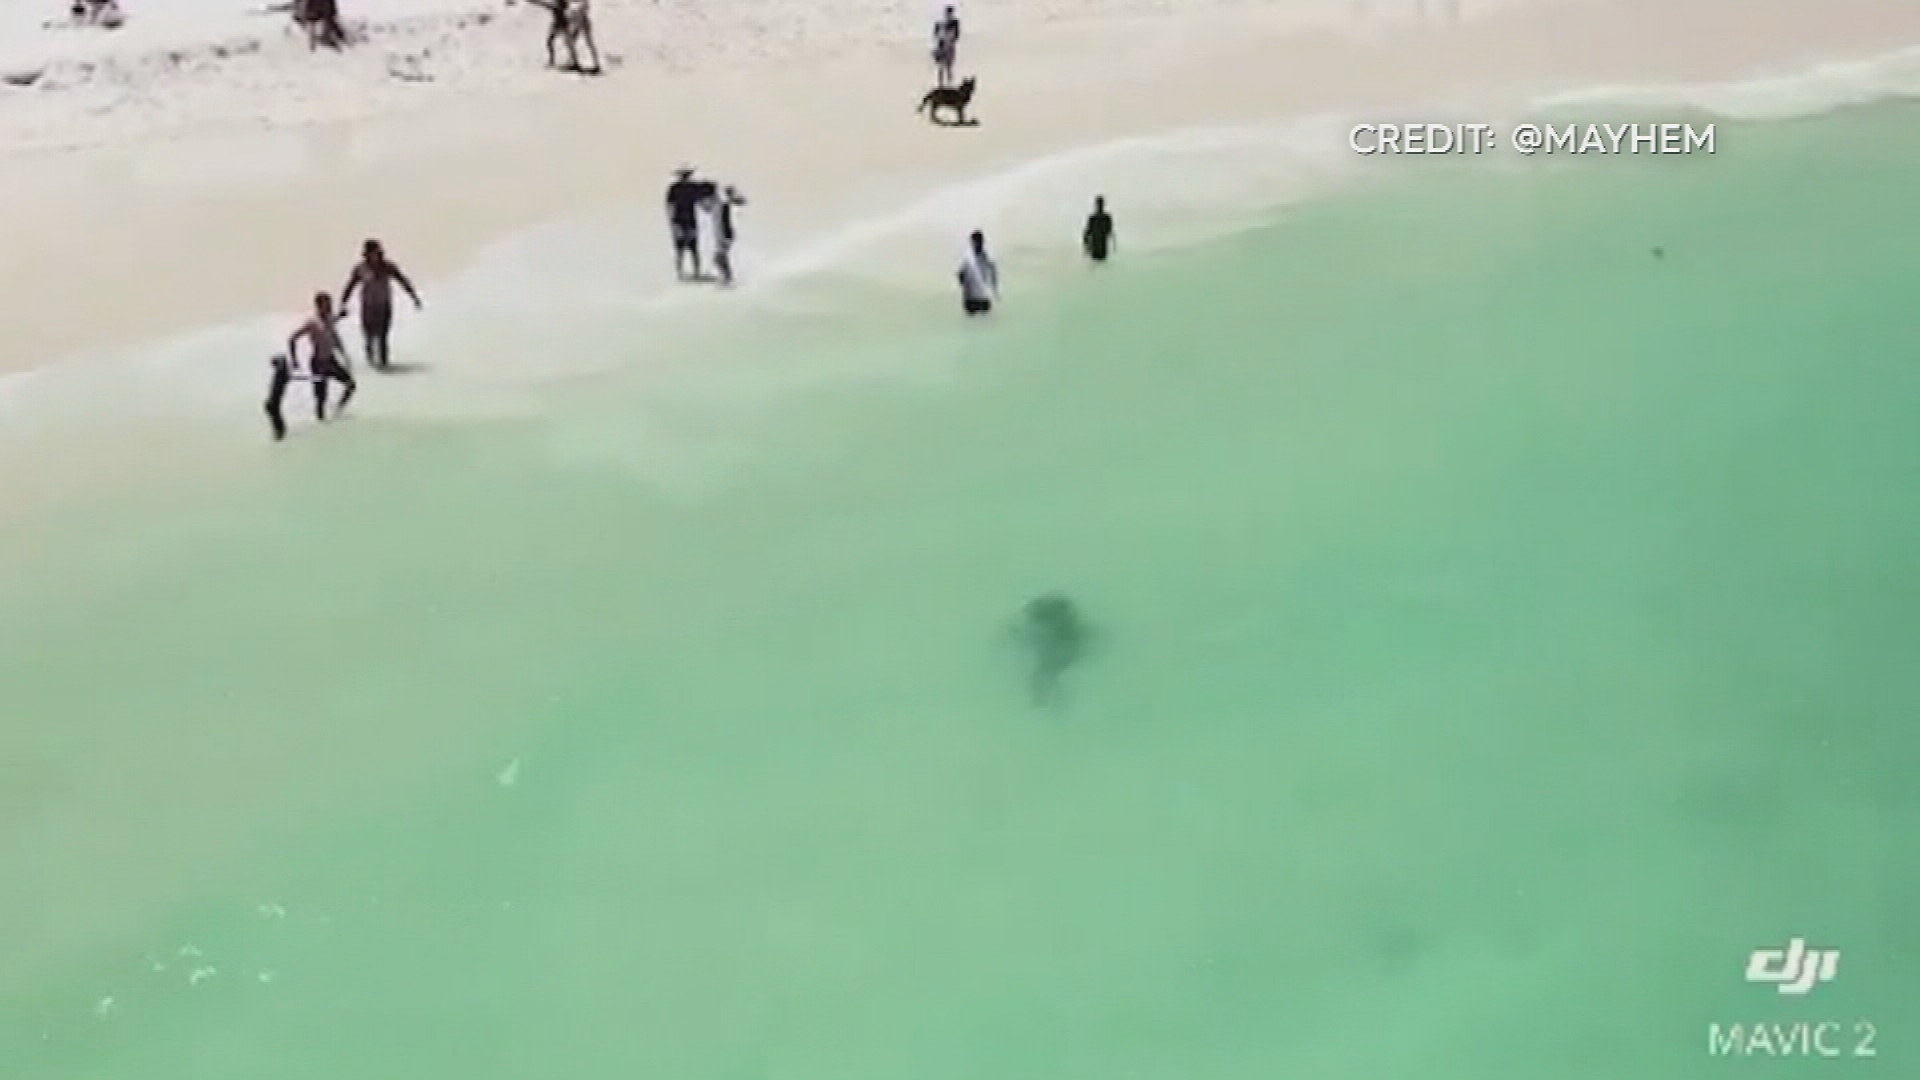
{"points": [[1503, 631]]}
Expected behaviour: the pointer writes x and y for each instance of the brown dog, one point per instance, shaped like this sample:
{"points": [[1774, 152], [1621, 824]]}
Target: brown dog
{"points": [[954, 98]]}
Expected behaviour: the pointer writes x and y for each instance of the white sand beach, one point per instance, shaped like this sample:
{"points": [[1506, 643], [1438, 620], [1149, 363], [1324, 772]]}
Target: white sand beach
{"points": [[172, 191], [202, 164]]}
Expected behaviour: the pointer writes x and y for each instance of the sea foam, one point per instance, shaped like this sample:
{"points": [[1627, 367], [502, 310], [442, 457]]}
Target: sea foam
{"points": [[558, 301]]}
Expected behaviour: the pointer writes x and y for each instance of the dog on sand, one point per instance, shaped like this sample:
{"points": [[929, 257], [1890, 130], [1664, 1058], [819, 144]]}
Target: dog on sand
{"points": [[954, 99]]}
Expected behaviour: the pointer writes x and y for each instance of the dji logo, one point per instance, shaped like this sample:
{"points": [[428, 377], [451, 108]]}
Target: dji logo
{"points": [[1795, 969]]}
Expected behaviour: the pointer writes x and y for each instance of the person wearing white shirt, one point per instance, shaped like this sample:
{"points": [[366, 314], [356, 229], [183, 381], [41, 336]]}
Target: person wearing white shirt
{"points": [[979, 278]]}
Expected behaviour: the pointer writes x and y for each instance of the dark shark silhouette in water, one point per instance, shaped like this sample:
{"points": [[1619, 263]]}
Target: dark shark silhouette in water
{"points": [[1056, 637]]}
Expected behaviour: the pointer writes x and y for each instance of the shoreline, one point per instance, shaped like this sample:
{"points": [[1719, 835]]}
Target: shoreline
{"points": [[123, 245], [461, 193], [193, 230]]}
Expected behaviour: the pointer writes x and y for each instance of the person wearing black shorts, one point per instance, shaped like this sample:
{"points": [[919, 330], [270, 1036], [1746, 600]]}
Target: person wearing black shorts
{"points": [[978, 276], [325, 372], [322, 335], [685, 197]]}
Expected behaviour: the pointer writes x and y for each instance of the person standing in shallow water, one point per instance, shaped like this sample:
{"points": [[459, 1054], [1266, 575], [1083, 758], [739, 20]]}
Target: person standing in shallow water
{"points": [[322, 334], [720, 210], [978, 276], [685, 196], [1097, 238], [277, 383], [374, 279]]}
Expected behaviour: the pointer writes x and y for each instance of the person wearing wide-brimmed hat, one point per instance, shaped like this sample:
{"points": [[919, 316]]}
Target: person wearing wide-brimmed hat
{"points": [[685, 196]]}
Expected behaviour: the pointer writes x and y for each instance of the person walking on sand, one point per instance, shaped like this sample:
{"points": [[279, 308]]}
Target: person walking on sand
{"points": [[374, 279], [720, 212], [946, 46], [978, 276], [322, 21], [328, 363], [1097, 238], [572, 26], [685, 197]]}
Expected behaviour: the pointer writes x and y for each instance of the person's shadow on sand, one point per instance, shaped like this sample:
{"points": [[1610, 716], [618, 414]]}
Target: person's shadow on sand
{"points": [[403, 368]]}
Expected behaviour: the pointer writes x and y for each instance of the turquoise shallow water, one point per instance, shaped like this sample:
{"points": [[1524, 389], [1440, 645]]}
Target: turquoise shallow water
{"points": [[1503, 632]]}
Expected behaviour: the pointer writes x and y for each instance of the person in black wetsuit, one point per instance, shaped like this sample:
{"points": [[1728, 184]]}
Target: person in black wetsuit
{"points": [[685, 196], [1097, 239], [374, 279], [277, 393]]}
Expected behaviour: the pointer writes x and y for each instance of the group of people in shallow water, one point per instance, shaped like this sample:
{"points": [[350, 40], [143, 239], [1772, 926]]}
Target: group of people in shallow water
{"points": [[317, 355], [373, 279], [979, 275], [688, 197]]}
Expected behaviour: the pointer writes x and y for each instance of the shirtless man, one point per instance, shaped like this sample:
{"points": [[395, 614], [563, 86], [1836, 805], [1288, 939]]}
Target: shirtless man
{"points": [[374, 278], [946, 46], [572, 26], [328, 363]]}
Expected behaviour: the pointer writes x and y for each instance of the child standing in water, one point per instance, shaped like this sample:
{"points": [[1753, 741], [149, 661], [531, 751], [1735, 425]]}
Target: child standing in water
{"points": [[277, 382], [720, 210]]}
